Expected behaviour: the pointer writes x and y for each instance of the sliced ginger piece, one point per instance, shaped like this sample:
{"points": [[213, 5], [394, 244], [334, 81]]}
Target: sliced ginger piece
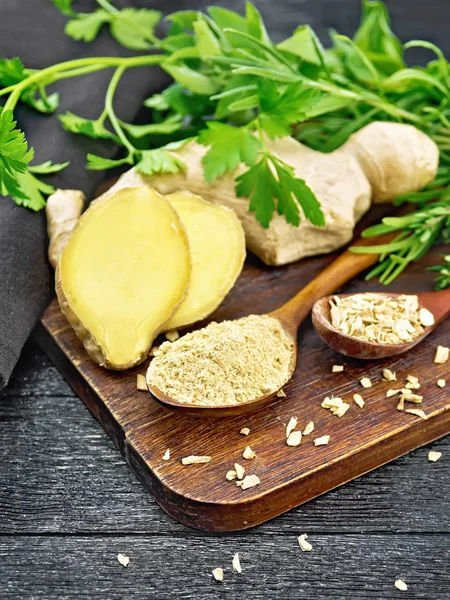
{"points": [[217, 247], [123, 272]]}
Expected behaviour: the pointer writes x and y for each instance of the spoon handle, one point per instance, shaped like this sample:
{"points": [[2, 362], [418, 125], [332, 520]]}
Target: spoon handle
{"points": [[341, 270]]}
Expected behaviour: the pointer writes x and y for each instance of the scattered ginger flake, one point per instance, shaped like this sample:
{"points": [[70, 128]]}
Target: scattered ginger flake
{"points": [[249, 481], [195, 460], [172, 336], [417, 412], [304, 545], [401, 404], [239, 470], [426, 317], [341, 410], [365, 382], [230, 475], [441, 355], [401, 585], [391, 393], [166, 455], [440, 383], [359, 400], [337, 368], [218, 574], [244, 431], [331, 403], [322, 441], [412, 379], [412, 386], [141, 383], [124, 560], [248, 453], [309, 428], [415, 398], [434, 456], [237, 563], [294, 438], [291, 426], [281, 394], [389, 375]]}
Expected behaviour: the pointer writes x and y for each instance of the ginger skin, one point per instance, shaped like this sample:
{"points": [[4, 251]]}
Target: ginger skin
{"points": [[63, 211]]}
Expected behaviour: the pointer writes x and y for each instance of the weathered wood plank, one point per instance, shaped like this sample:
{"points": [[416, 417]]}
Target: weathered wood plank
{"points": [[339, 566]]}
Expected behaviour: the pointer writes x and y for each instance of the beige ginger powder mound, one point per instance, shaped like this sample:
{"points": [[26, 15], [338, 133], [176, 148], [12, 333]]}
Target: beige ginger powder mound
{"points": [[224, 363]]}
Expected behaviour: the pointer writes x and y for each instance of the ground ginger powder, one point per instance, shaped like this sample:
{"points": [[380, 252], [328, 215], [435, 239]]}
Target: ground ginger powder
{"points": [[224, 364]]}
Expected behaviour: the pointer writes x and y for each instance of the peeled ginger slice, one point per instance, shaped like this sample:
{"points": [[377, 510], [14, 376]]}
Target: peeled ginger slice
{"points": [[123, 272], [217, 246]]}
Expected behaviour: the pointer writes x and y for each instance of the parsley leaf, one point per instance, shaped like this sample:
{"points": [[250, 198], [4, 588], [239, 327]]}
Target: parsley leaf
{"points": [[261, 185], [158, 161], [85, 26], [93, 129], [48, 167], [65, 7], [279, 110], [12, 71], [14, 157], [228, 147], [132, 27], [33, 191]]}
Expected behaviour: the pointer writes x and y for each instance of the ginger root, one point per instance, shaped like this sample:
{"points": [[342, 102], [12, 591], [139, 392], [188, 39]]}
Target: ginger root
{"points": [[123, 272], [380, 161], [217, 248], [63, 210]]}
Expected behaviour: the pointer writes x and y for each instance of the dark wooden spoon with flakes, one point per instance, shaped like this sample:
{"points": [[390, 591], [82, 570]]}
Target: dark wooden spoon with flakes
{"points": [[291, 315], [438, 303]]}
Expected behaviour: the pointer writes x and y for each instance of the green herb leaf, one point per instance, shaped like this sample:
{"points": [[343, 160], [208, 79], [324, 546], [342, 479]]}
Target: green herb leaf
{"points": [[279, 110], [158, 161], [264, 189], [92, 129], [85, 26], [47, 167], [301, 44], [12, 71], [133, 27], [259, 184], [65, 7], [228, 147], [32, 191], [196, 82], [14, 158]]}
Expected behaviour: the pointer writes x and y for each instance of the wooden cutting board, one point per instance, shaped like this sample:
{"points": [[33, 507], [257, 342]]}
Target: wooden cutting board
{"points": [[199, 495]]}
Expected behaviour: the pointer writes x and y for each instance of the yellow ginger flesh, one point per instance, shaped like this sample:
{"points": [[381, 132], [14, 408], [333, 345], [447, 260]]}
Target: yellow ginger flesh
{"points": [[122, 274]]}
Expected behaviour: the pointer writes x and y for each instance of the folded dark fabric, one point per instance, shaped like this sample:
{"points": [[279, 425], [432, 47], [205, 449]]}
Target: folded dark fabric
{"points": [[34, 31]]}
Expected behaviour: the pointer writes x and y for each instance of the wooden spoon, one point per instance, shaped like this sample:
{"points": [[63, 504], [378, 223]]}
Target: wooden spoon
{"points": [[437, 303], [291, 315]]}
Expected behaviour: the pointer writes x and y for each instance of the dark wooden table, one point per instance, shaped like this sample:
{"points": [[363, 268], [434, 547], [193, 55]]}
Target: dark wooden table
{"points": [[69, 504]]}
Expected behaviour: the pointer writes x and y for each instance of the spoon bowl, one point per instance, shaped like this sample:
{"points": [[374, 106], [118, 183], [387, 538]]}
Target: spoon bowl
{"points": [[194, 410], [438, 303]]}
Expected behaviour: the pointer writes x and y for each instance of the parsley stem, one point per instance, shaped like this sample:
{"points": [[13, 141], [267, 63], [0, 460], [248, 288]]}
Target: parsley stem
{"points": [[49, 73], [110, 109]]}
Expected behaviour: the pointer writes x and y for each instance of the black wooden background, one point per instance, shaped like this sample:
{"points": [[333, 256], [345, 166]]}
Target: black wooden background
{"points": [[69, 503]]}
